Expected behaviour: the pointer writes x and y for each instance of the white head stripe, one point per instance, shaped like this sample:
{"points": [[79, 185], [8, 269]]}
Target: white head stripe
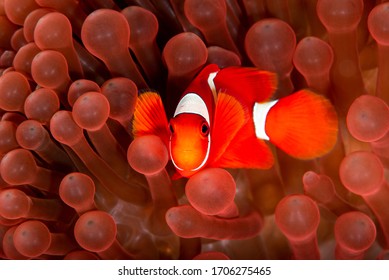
{"points": [[192, 103], [211, 83], [260, 112]]}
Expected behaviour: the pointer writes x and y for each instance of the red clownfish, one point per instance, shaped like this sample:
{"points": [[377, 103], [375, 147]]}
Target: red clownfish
{"points": [[225, 116]]}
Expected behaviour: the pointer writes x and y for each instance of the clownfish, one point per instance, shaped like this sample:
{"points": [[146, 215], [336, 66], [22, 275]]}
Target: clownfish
{"points": [[225, 116]]}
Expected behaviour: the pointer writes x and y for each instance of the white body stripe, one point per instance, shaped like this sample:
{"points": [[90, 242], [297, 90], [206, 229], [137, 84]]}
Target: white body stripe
{"points": [[192, 103], [260, 112], [211, 84]]}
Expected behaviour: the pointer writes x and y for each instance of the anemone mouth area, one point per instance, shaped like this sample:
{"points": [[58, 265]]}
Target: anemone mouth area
{"points": [[87, 89]]}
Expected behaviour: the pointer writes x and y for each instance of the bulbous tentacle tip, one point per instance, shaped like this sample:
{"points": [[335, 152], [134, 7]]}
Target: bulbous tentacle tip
{"points": [[78, 191], [95, 231], [368, 118], [211, 191], [101, 26], [341, 15], [354, 232], [378, 25], [362, 172], [298, 210], [147, 155], [91, 111], [32, 238]]}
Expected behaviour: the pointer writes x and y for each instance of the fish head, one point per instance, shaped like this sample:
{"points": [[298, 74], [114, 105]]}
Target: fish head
{"points": [[189, 142]]}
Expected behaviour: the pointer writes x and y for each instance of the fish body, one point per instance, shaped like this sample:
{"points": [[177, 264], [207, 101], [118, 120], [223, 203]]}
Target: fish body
{"points": [[225, 117]]}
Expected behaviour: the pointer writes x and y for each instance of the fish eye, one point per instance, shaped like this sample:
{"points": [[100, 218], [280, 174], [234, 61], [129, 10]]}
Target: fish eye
{"points": [[204, 129], [171, 128]]}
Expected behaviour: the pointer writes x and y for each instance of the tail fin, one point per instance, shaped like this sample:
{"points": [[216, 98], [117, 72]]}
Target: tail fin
{"points": [[304, 125]]}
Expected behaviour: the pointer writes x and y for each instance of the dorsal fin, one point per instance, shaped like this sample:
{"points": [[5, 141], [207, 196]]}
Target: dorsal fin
{"points": [[249, 85]]}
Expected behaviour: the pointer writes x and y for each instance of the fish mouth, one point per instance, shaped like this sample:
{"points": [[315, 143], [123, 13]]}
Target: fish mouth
{"points": [[185, 159]]}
